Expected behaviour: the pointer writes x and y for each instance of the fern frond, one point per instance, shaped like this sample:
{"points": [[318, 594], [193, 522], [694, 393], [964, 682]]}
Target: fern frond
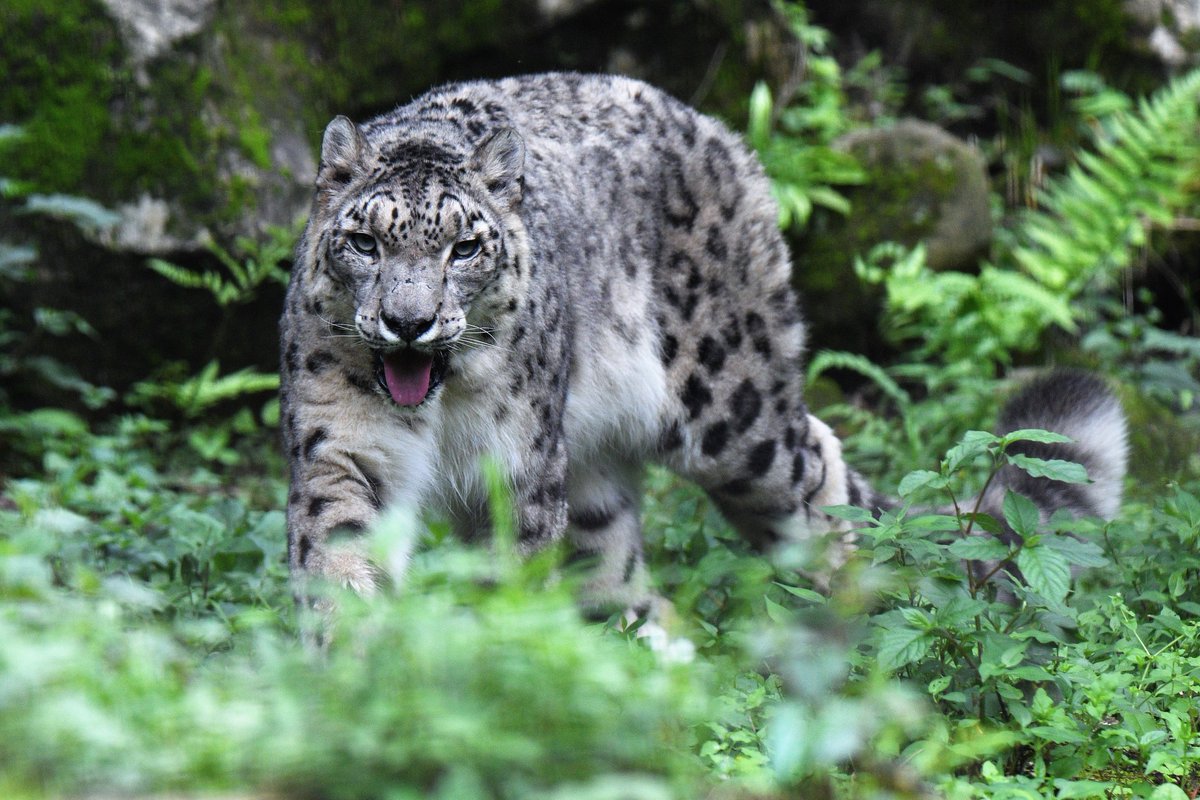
{"points": [[87, 215], [195, 395], [262, 263], [837, 359], [221, 290], [1093, 219], [208, 388]]}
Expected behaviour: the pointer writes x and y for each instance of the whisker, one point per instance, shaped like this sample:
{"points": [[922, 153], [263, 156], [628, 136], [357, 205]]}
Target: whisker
{"points": [[332, 324], [470, 342]]}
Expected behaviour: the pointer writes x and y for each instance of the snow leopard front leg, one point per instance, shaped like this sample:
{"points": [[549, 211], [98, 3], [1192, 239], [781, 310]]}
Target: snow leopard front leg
{"points": [[348, 461], [605, 528]]}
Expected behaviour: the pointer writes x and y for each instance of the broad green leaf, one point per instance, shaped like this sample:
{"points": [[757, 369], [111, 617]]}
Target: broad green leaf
{"points": [[1021, 515], [1034, 435], [1080, 552], [901, 646], [984, 522], [849, 513], [972, 444], [959, 611], [1169, 791], [776, 612], [979, 548], [1046, 571], [929, 523], [917, 618], [803, 594], [1053, 468], [920, 479], [1051, 733]]}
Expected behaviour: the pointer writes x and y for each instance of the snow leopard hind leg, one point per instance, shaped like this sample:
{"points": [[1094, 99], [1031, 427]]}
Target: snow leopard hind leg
{"points": [[732, 342]]}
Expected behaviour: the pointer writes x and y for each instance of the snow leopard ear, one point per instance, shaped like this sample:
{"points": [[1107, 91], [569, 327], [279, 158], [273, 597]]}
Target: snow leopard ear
{"points": [[341, 147], [500, 161]]}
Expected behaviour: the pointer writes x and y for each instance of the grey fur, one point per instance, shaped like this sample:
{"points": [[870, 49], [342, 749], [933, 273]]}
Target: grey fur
{"points": [[627, 300]]}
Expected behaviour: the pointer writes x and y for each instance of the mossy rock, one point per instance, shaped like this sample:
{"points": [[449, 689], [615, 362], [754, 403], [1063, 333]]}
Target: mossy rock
{"points": [[922, 185]]}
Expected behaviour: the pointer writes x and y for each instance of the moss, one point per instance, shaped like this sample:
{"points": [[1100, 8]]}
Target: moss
{"points": [[164, 147], [1163, 444], [897, 203], [61, 72], [90, 129]]}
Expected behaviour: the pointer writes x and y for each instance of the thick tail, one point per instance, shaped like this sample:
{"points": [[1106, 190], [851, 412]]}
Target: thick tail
{"points": [[1079, 405]]}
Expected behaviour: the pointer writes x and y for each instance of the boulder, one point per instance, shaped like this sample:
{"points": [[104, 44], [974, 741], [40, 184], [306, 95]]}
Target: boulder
{"points": [[923, 185]]}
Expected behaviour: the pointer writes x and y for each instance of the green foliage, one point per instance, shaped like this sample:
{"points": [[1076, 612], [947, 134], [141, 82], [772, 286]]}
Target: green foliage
{"points": [[21, 338], [196, 394], [59, 68], [1074, 681], [149, 646], [793, 142], [1097, 216], [1091, 223], [802, 175], [1164, 365], [960, 330], [260, 262]]}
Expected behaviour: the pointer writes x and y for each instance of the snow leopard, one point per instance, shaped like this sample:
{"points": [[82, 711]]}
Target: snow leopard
{"points": [[574, 275]]}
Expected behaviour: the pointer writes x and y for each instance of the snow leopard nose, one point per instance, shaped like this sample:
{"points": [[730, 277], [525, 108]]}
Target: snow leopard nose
{"points": [[407, 330]]}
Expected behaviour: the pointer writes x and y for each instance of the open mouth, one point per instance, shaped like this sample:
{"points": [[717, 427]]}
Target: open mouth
{"points": [[408, 375]]}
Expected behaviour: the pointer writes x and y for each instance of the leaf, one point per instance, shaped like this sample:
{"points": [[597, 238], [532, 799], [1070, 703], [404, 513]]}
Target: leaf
{"points": [[803, 594], [1034, 435], [849, 513], [917, 618], [776, 612], [1168, 791], [1057, 735], [837, 359], [931, 523], [1079, 552], [920, 479], [972, 444], [901, 646], [985, 522], [759, 129], [1053, 468], [979, 548], [1021, 514], [88, 215], [1045, 571]]}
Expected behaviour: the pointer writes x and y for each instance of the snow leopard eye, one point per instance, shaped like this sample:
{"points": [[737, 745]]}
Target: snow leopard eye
{"points": [[465, 248], [362, 243]]}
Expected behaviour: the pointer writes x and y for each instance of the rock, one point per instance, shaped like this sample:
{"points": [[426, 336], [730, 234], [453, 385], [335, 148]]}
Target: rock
{"points": [[1170, 29], [923, 185], [151, 27]]}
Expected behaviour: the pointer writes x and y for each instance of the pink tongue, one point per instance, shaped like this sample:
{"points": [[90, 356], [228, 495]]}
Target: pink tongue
{"points": [[406, 373]]}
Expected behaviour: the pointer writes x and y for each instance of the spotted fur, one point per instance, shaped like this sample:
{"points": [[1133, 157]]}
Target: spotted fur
{"points": [[626, 299]]}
